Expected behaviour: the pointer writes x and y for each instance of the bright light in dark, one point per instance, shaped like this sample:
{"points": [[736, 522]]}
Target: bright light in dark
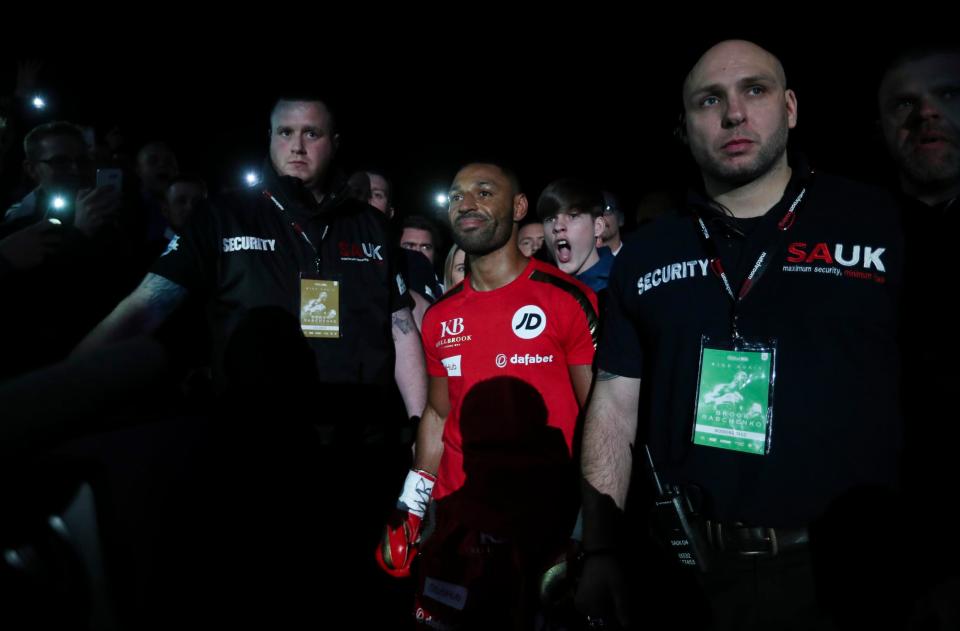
{"points": [[39, 103], [251, 178], [59, 203], [442, 199]]}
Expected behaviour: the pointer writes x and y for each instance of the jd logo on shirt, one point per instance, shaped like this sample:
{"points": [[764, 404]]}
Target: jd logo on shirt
{"points": [[529, 322]]}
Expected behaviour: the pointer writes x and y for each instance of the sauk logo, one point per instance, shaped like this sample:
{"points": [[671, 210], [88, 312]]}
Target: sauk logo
{"points": [[529, 322], [359, 251], [871, 257], [848, 261]]}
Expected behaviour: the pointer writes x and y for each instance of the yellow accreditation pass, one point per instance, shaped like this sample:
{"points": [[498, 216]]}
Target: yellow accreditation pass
{"points": [[320, 308]]}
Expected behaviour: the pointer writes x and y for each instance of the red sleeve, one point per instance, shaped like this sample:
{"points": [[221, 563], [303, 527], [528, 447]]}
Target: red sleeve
{"points": [[428, 335]]}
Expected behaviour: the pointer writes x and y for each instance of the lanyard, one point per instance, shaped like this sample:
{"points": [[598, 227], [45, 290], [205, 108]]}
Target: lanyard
{"points": [[785, 223], [296, 228]]}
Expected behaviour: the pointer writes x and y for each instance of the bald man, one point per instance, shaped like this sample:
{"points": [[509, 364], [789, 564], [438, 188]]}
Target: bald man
{"points": [[762, 320]]}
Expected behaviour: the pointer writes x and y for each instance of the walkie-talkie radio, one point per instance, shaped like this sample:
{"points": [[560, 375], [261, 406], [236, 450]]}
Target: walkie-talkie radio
{"points": [[674, 522]]}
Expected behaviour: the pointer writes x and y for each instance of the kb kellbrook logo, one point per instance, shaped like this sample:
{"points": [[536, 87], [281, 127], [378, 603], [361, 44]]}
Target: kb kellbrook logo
{"points": [[451, 327], [529, 322], [451, 333]]}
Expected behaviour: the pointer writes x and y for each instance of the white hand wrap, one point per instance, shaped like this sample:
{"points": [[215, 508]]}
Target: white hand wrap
{"points": [[417, 489]]}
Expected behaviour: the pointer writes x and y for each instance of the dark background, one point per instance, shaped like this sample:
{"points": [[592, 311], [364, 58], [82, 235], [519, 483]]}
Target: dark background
{"points": [[596, 100]]}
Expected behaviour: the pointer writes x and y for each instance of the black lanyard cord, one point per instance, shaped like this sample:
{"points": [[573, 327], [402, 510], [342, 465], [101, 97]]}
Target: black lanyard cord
{"points": [[298, 229], [759, 267]]}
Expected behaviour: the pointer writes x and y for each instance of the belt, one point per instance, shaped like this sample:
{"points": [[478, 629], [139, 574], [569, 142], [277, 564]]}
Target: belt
{"points": [[754, 541]]}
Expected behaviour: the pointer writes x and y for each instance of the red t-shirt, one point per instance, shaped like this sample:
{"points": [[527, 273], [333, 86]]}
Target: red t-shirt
{"points": [[506, 352]]}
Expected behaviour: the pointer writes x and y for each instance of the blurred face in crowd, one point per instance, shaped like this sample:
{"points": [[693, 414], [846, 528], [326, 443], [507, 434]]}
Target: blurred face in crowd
{"points": [[181, 201], [458, 268], [611, 225], [302, 142], [379, 193], [62, 163], [156, 167], [418, 241], [530, 238], [919, 102]]}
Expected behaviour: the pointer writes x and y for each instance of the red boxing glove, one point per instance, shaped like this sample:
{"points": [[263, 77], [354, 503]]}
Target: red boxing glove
{"points": [[398, 547]]}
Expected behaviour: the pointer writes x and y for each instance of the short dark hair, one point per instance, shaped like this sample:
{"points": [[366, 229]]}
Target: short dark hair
{"points": [[371, 172], [189, 179], [611, 203], [913, 53], [569, 194], [508, 171], [528, 220], [358, 186], [154, 144], [31, 143], [419, 222], [305, 98]]}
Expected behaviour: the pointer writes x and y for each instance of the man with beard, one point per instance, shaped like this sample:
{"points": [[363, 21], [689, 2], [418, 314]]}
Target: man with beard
{"points": [[778, 287], [919, 104], [919, 114], [509, 355], [613, 220]]}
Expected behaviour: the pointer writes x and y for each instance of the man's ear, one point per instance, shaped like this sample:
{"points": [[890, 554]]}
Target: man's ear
{"points": [[520, 206], [790, 99]]}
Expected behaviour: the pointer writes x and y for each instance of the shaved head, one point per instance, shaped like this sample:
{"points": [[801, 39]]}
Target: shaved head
{"points": [[737, 114], [731, 52], [283, 104]]}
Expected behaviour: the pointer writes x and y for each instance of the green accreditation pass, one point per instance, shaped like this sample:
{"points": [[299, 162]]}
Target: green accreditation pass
{"points": [[320, 308], [734, 408]]}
